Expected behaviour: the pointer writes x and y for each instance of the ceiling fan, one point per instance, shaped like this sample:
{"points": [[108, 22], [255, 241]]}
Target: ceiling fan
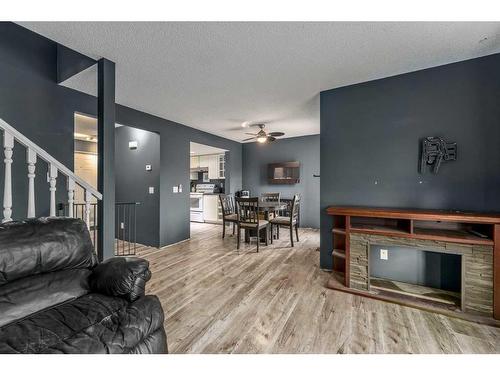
{"points": [[262, 136]]}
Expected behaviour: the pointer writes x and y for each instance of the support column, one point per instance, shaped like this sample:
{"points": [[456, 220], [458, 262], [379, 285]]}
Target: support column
{"points": [[106, 158]]}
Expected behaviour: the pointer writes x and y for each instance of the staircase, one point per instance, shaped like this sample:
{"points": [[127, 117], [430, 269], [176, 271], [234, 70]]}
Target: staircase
{"points": [[54, 169]]}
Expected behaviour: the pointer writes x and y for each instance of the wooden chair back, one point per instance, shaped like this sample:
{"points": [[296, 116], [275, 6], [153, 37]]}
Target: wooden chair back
{"points": [[248, 210], [226, 203], [270, 197], [295, 209]]}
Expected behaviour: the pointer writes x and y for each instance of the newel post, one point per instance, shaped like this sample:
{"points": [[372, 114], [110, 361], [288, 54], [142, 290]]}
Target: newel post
{"points": [[8, 145], [51, 177], [31, 160]]}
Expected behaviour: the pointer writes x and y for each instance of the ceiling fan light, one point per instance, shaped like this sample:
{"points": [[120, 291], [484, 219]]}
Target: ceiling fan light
{"points": [[262, 139]]}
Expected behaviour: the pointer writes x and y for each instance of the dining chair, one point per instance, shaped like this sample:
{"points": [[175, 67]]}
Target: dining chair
{"points": [[247, 210], [270, 197], [228, 212], [291, 221]]}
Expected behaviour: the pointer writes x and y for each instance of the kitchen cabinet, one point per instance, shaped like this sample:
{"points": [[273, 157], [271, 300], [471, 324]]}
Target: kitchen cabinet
{"points": [[211, 210], [204, 161], [222, 166], [213, 167], [216, 165], [194, 162]]}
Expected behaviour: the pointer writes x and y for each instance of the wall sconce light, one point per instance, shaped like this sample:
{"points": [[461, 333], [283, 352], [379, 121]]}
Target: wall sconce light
{"points": [[132, 145]]}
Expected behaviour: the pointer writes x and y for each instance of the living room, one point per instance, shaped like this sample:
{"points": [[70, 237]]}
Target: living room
{"points": [[251, 186]]}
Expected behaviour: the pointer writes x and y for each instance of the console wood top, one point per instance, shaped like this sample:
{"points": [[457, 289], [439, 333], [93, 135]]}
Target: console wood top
{"points": [[415, 214]]}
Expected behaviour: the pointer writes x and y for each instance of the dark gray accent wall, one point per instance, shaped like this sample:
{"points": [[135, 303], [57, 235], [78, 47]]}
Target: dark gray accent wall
{"points": [[133, 181], [256, 157], [370, 141], [106, 160], [174, 161], [33, 103], [70, 62]]}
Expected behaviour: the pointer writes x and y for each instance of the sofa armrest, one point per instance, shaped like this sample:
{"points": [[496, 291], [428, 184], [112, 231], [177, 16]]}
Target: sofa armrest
{"points": [[121, 277]]}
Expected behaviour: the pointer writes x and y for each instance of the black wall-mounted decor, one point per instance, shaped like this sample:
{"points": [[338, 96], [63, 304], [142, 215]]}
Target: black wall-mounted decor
{"points": [[284, 173], [435, 150]]}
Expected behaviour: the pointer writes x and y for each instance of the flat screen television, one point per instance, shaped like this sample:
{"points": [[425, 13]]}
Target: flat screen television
{"points": [[284, 173]]}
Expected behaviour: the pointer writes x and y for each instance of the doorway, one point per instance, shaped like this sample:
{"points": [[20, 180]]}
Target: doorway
{"points": [[208, 179]]}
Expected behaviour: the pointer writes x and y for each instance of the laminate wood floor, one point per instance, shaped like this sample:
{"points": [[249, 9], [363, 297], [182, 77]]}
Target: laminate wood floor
{"points": [[219, 300]]}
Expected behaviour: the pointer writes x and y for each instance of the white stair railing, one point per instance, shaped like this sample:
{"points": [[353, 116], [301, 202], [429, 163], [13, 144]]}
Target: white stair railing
{"points": [[54, 168]]}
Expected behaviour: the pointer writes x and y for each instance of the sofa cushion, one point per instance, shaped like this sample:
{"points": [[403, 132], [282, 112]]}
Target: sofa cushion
{"points": [[93, 323], [43, 245], [28, 295], [124, 277]]}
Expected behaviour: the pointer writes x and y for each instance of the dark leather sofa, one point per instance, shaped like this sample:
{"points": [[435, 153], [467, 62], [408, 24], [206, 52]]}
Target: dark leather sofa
{"points": [[56, 298]]}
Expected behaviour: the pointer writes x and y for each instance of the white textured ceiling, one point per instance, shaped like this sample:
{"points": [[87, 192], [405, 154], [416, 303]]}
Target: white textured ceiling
{"points": [[199, 149], [214, 76]]}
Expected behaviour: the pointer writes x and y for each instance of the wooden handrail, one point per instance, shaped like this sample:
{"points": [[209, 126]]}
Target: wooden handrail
{"points": [[44, 155]]}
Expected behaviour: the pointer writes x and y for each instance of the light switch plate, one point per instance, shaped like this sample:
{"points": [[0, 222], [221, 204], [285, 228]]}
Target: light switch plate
{"points": [[149, 167], [180, 188], [175, 189], [132, 145], [384, 254], [151, 190]]}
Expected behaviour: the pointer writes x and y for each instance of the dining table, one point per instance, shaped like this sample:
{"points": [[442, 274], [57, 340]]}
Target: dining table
{"points": [[265, 207]]}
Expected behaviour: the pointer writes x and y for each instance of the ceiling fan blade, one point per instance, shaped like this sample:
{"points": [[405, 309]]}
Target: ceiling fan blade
{"points": [[248, 139], [270, 139], [276, 134], [254, 134]]}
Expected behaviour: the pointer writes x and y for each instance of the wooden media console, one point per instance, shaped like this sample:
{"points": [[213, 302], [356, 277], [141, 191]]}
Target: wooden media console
{"points": [[474, 237]]}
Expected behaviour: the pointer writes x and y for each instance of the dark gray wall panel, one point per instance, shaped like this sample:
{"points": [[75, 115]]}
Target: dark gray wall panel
{"points": [[257, 156], [133, 181], [174, 161], [70, 62], [370, 140], [32, 102]]}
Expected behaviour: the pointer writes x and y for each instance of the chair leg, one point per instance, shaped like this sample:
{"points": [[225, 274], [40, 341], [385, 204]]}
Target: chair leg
{"points": [[258, 239], [223, 229], [234, 225], [278, 232], [272, 235], [297, 231], [238, 239], [291, 234], [267, 235]]}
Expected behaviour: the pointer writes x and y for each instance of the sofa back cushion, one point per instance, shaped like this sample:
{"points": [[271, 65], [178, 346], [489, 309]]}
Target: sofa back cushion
{"points": [[43, 245], [29, 295]]}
